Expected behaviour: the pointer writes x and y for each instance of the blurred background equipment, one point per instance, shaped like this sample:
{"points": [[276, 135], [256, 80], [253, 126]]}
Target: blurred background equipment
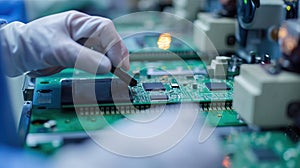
{"points": [[255, 93], [255, 19], [220, 30], [106, 8], [288, 37]]}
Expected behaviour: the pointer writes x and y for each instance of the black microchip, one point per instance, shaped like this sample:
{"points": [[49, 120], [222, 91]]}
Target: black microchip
{"points": [[159, 97], [155, 86], [106, 91], [265, 154], [215, 86]]}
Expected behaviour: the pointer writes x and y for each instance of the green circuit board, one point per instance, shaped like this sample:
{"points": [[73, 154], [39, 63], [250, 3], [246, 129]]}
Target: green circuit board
{"points": [[260, 149], [167, 82], [177, 81], [55, 120], [176, 75]]}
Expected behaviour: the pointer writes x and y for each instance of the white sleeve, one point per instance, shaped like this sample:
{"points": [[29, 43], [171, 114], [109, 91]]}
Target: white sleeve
{"points": [[8, 131]]}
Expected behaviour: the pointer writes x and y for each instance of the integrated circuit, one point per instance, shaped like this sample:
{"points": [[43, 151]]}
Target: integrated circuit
{"points": [[265, 154], [159, 97], [155, 86], [217, 86], [106, 91]]}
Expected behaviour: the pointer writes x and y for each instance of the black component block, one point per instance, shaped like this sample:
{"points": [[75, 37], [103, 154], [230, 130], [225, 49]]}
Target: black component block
{"points": [[155, 86], [216, 86], [159, 97], [265, 154], [100, 91]]}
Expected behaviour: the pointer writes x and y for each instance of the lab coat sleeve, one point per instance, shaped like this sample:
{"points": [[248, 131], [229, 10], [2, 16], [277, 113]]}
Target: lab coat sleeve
{"points": [[8, 131], [11, 153], [13, 10]]}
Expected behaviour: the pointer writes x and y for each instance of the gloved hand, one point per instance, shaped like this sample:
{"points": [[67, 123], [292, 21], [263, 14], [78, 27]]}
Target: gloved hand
{"points": [[48, 45]]}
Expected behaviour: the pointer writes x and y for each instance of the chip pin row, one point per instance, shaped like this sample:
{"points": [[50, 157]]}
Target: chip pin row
{"points": [[216, 106], [112, 110]]}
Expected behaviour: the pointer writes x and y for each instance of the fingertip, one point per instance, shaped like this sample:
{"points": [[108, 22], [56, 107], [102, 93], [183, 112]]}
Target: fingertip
{"points": [[125, 63], [105, 66], [119, 55], [45, 72], [90, 61], [97, 63]]}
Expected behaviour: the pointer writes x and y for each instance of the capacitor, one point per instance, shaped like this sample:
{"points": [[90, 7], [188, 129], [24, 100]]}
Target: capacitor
{"points": [[252, 57], [195, 86], [50, 124], [266, 59]]}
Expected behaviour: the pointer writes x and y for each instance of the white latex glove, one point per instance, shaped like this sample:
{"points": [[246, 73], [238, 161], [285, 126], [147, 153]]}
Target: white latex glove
{"points": [[48, 45]]}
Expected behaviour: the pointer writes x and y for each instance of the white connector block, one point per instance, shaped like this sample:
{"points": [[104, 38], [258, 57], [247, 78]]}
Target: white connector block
{"points": [[218, 67], [211, 31], [187, 8], [262, 99]]}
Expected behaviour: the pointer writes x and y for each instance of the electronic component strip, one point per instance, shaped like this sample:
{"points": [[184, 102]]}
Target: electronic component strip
{"points": [[154, 86], [214, 86], [106, 90], [170, 89], [55, 92], [159, 97]]}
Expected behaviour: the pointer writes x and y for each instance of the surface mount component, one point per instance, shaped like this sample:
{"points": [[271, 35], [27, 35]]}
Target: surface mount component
{"points": [[174, 85], [160, 97], [106, 90], [265, 154], [216, 86], [155, 86]]}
